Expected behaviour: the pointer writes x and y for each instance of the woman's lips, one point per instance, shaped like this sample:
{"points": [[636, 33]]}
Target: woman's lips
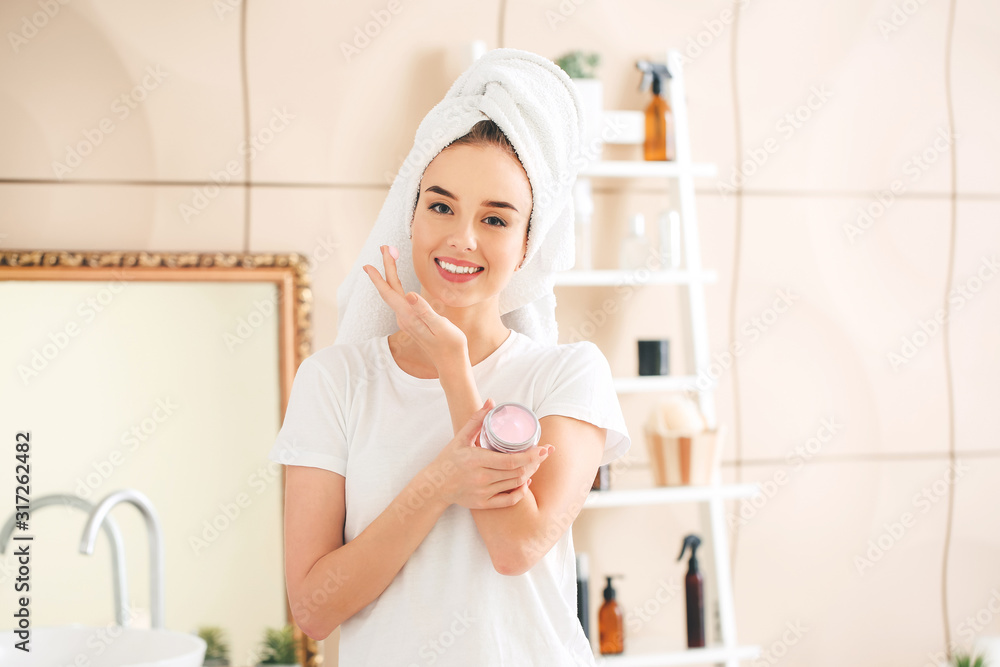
{"points": [[456, 277]]}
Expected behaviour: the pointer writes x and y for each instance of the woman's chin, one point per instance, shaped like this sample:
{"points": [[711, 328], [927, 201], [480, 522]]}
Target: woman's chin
{"points": [[442, 298], [439, 292], [451, 301]]}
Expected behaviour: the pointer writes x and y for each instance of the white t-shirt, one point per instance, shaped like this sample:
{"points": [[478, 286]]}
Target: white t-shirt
{"points": [[354, 411]]}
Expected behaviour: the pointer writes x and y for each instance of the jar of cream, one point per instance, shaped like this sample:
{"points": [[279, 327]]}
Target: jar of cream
{"points": [[510, 427]]}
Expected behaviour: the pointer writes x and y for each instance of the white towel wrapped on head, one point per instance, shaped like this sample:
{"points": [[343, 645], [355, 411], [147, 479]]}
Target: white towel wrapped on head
{"points": [[535, 104]]}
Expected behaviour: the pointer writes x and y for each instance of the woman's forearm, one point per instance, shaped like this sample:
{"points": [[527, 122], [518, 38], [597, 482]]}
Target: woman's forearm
{"points": [[495, 526], [349, 578], [460, 389]]}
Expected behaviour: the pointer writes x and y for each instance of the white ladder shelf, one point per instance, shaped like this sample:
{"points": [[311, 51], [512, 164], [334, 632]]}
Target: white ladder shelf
{"points": [[680, 174]]}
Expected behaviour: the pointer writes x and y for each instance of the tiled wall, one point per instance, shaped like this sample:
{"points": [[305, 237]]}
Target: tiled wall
{"points": [[812, 110]]}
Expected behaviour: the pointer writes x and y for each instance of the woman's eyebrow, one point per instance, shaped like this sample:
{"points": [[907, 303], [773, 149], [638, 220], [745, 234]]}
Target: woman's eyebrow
{"points": [[492, 204]]}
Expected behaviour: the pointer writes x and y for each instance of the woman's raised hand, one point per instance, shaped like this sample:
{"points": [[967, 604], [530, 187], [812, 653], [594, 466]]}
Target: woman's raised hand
{"points": [[468, 475], [443, 342]]}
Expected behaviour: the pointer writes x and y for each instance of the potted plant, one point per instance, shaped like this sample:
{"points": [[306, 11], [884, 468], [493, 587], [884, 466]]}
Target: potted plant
{"points": [[581, 67], [280, 647], [966, 660], [216, 646]]}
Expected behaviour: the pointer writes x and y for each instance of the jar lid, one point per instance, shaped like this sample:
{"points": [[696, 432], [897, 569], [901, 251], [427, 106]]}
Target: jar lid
{"points": [[512, 427]]}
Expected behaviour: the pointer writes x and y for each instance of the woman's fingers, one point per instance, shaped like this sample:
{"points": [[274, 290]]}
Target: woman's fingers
{"points": [[393, 298], [506, 485], [506, 462], [391, 280], [414, 313], [384, 289], [470, 432], [420, 305], [423, 311], [509, 498], [520, 473], [391, 276]]}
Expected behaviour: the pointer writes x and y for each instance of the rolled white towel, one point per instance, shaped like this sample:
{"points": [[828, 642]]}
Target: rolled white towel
{"points": [[536, 105]]}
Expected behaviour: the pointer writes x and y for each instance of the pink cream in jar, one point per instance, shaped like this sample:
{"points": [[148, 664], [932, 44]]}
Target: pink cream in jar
{"points": [[510, 427]]}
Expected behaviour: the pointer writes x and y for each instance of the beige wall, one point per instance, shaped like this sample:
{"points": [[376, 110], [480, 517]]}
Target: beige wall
{"points": [[896, 74]]}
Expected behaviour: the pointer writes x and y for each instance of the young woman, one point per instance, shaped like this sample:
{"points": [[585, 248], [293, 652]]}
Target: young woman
{"points": [[423, 547]]}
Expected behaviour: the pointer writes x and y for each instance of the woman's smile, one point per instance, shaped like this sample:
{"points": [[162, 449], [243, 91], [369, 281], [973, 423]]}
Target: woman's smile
{"points": [[455, 273]]}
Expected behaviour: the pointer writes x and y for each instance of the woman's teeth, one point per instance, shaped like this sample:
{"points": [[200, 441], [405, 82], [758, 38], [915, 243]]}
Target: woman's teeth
{"points": [[451, 268]]}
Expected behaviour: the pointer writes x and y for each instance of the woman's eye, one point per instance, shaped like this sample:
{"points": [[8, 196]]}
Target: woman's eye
{"points": [[499, 221]]}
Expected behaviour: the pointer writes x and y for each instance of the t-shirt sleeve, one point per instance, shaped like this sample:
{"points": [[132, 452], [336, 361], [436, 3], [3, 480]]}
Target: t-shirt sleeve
{"points": [[581, 387], [313, 432]]}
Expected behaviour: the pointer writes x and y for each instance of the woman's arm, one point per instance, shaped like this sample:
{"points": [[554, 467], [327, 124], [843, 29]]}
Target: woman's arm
{"points": [[460, 389], [329, 581], [518, 536]]}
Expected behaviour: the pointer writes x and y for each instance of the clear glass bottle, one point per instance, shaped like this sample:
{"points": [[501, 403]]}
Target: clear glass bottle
{"points": [[636, 249], [670, 240]]}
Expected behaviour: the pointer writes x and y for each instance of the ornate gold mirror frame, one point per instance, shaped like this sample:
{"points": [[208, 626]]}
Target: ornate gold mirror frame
{"points": [[287, 272]]}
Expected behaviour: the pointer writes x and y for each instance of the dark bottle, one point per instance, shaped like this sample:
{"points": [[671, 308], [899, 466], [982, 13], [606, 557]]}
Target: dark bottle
{"points": [[693, 589], [583, 592], [602, 481], [610, 624]]}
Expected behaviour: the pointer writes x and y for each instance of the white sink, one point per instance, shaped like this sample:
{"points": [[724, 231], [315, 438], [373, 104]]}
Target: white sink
{"points": [[102, 646]]}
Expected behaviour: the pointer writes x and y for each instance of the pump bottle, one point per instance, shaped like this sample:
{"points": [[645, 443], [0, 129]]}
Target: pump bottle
{"points": [[659, 142], [610, 623], [693, 590]]}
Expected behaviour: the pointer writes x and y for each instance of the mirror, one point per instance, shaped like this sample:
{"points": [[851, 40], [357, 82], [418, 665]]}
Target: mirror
{"points": [[169, 374]]}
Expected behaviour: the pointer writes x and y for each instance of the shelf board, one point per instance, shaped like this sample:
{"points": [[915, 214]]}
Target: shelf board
{"points": [[691, 656], [653, 383], [637, 277], [662, 495], [642, 168]]}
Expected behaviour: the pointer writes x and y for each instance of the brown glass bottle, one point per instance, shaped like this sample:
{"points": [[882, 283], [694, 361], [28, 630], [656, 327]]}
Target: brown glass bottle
{"points": [[610, 624], [659, 143]]}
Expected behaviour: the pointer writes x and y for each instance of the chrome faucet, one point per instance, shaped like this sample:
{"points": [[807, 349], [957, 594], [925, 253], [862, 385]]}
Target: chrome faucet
{"points": [[153, 528], [114, 536]]}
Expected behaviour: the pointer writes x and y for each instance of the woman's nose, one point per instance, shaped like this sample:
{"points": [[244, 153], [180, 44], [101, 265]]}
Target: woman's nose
{"points": [[463, 235]]}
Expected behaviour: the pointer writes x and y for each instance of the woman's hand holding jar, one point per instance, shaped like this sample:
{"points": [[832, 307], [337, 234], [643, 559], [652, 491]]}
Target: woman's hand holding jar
{"points": [[468, 475]]}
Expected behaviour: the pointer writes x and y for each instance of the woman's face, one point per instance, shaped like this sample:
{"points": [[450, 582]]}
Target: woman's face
{"points": [[473, 209]]}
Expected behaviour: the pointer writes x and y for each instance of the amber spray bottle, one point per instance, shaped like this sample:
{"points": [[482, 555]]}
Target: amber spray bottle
{"points": [[610, 622], [693, 589], [659, 142]]}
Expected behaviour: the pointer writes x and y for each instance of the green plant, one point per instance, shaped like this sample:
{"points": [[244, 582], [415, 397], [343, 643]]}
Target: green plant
{"points": [[580, 65], [217, 647], [279, 647], [966, 660]]}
